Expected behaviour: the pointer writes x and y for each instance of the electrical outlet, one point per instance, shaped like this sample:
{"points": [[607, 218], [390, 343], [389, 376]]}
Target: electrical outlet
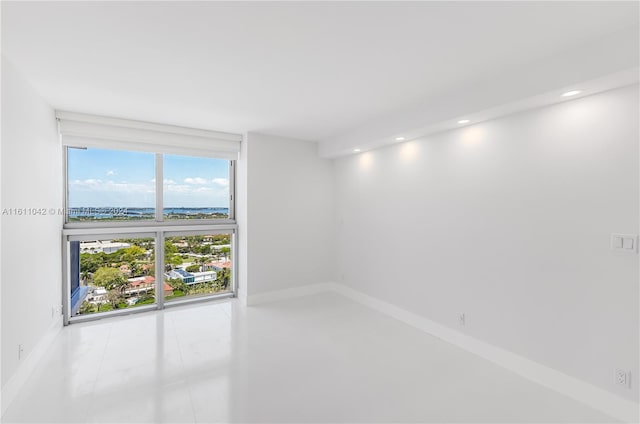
{"points": [[20, 351], [461, 318], [623, 378]]}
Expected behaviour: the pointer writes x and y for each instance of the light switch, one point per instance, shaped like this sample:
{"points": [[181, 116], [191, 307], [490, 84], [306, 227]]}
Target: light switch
{"points": [[627, 243], [617, 242]]}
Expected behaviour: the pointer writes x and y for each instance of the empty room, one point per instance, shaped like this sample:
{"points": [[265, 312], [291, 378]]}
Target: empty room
{"points": [[320, 212]]}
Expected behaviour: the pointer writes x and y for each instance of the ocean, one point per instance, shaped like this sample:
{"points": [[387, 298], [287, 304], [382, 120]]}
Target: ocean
{"points": [[110, 212]]}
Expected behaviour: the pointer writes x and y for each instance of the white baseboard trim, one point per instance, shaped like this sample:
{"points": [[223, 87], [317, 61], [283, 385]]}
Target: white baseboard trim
{"points": [[595, 397], [22, 374], [276, 295]]}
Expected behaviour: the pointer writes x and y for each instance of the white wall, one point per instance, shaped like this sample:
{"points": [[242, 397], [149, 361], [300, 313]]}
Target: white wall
{"points": [[509, 222], [31, 245], [288, 228]]}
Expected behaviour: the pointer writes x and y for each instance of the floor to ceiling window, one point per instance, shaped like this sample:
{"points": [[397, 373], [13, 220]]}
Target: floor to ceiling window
{"points": [[146, 224]]}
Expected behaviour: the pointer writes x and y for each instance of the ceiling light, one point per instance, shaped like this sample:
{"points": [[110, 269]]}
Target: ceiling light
{"points": [[356, 150], [400, 139], [463, 121], [571, 93]]}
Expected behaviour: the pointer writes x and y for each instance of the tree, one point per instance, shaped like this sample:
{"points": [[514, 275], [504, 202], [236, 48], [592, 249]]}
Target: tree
{"points": [[87, 308], [193, 268], [225, 251], [115, 298], [223, 278], [90, 262], [202, 260], [136, 269], [178, 284], [220, 239], [110, 279], [169, 248], [175, 260], [133, 253]]}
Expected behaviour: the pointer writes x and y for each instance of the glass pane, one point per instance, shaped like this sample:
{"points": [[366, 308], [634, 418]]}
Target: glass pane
{"points": [[110, 185], [198, 265], [195, 188], [112, 274]]}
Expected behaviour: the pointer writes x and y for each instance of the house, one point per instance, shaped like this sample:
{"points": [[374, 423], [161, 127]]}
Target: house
{"points": [[138, 285], [186, 277], [218, 265], [192, 277], [145, 285], [105, 246]]}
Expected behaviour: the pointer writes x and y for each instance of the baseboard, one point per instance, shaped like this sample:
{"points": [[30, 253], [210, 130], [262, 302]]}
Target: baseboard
{"points": [[276, 295], [22, 374], [597, 398]]}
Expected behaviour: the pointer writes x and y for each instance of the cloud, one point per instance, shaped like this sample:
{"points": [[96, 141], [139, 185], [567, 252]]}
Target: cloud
{"points": [[87, 182], [111, 172], [214, 188], [195, 180], [224, 182], [111, 186], [184, 188]]}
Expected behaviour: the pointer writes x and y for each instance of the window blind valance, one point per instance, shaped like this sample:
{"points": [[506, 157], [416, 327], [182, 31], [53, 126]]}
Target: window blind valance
{"points": [[81, 130]]}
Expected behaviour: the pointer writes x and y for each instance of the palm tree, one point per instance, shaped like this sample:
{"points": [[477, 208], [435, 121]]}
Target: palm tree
{"points": [[202, 260], [84, 277]]}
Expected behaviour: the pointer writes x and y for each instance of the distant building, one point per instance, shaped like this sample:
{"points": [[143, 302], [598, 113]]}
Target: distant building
{"points": [[145, 285], [192, 277], [217, 266], [204, 277], [97, 295], [186, 277], [106, 246]]}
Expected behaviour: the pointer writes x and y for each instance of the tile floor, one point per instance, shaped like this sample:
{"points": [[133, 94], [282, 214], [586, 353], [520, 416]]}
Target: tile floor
{"points": [[320, 358]]}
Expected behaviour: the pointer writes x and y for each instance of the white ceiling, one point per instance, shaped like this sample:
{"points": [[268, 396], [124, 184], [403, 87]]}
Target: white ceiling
{"points": [[312, 71]]}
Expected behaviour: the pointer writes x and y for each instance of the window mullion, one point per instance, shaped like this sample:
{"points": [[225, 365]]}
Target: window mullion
{"points": [[160, 260], [159, 188]]}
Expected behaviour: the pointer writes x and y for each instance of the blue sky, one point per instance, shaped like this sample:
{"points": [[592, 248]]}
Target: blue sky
{"points": [[100, 177]]}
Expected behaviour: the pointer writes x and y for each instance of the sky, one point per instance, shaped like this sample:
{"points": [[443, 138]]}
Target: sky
{"points": [[100, 178]]}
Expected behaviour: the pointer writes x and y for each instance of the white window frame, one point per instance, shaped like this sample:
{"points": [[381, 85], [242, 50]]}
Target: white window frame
{"points": [[159, 233], [157, 228], [159, 205]]}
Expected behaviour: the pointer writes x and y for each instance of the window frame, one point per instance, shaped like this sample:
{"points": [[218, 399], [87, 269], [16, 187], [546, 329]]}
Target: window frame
{"points": [[156, 228], [159, 204]]}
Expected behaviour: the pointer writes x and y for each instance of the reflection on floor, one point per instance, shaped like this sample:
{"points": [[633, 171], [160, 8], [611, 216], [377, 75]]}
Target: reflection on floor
{"points": [[321, 358]]}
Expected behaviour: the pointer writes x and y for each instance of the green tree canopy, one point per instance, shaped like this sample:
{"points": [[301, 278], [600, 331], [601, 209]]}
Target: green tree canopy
{"points": [[169, 248], [109, 278], [132, 253]]}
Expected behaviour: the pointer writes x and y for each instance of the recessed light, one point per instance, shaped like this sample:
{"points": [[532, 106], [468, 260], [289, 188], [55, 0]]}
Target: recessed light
{"points": [[400, 139], [463, 121], [571, 93], [356, 150]]}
